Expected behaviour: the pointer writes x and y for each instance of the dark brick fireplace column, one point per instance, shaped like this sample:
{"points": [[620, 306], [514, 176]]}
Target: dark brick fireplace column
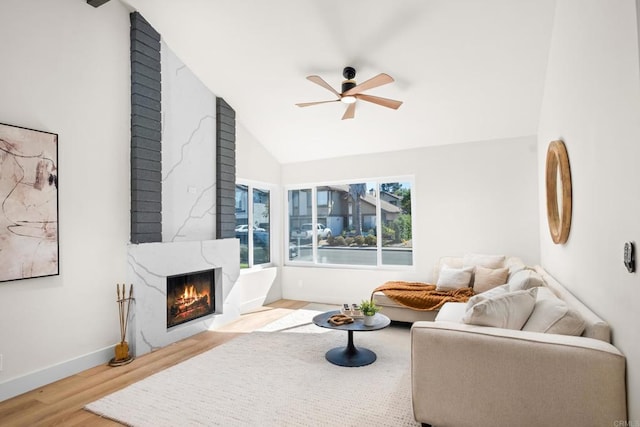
{"points": [[146, 142]]}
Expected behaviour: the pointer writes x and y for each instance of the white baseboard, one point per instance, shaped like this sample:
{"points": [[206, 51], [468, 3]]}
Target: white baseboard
{"points": [[33, 380]]}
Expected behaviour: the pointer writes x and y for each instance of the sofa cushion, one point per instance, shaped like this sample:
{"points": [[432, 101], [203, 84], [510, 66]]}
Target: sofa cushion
{"points": [[509, 311], [514, 265], [551, 315], [498, 290], [488, 278], [452, 312], [482, 260], [524, 279], [454, 278], [595, 326]]}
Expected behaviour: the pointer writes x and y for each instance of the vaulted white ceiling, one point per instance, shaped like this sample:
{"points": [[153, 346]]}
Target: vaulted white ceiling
{"points": [[467, 70]]}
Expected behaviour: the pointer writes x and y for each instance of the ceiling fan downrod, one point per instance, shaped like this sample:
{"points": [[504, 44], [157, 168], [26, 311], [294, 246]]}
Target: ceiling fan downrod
{"points": [[348, 73]]}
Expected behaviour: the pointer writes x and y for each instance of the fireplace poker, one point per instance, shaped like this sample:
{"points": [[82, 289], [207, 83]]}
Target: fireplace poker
{"points": [[128, 309], [120, 311]]}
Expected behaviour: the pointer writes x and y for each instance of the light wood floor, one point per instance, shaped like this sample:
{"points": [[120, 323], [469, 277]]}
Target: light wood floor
{"points": [[61, 403]]}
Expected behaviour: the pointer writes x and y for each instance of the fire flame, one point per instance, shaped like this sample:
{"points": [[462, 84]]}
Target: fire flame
{"points": [[190, 295], [190, 292]]}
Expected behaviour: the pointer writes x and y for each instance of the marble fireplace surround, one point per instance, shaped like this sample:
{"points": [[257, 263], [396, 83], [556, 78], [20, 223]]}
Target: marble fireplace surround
{"points": [[149, 264]]}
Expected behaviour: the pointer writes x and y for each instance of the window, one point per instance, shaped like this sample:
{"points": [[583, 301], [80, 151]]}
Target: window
{"points": [[323, 198], [253, 225], [365, 223]]}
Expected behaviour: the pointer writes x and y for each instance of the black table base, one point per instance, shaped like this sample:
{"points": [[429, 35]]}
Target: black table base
{"points": [[351, 356]]}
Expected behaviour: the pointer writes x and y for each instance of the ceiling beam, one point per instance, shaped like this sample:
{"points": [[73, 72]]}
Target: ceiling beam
{"points": [[96, 3]]}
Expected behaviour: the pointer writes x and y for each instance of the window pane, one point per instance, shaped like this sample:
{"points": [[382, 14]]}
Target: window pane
{"points": [[261, 229], [300, 225], [242, 221], [323, 197], [365, 223], [395, 211], [346, 233]]}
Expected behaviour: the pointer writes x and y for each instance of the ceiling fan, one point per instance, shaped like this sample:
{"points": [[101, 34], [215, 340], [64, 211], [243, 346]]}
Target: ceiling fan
{"points": [[352, 92]]}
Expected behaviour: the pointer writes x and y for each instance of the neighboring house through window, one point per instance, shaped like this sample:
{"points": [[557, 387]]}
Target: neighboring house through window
{"points": [[358, 223]]}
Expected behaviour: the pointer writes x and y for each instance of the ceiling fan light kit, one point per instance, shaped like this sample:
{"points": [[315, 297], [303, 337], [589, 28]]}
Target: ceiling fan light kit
{"points": [[351, 91]]}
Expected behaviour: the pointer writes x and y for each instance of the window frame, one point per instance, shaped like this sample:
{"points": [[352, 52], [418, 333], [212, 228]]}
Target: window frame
{"points": [[410, 179], [271, 189]]}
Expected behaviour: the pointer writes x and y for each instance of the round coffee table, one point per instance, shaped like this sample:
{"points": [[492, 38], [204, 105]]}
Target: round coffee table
{"points": [[351, 355]]}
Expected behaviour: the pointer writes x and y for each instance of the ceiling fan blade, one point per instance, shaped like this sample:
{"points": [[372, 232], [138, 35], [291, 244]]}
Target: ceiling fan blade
{"points": [[385, 102], [319, 81], [308, 104], [350, 112], [379, 80]]}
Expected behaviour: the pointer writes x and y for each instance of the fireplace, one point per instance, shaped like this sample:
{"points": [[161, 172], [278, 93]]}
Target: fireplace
{"points": [[190, 296]]}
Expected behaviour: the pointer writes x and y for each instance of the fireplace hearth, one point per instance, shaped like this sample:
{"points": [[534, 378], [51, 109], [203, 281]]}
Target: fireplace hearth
{"points": [[190, 296]]}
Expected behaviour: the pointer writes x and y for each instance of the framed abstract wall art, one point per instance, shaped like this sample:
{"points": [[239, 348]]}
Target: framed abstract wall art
{"points": [[28, 203]]}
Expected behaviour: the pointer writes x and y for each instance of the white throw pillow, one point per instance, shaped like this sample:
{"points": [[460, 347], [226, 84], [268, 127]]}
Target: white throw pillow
{"points": [[544, 293], [451, 312], [453, 278], [486, 261], [509, 311], [488, 278], [515, 267], [498, 290], [525, 279], [551, 315]]}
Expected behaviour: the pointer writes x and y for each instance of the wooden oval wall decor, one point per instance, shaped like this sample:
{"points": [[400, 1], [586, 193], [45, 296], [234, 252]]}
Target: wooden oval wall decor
{"points": [[558, 205]]}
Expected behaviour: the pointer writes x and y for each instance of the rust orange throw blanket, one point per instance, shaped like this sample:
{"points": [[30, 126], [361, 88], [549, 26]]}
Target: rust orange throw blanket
{"points": [[422, 296]]}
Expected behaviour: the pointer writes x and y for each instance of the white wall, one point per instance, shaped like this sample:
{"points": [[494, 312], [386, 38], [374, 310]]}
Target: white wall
{"points": [[592, 102], [257, 166], [65, 69], [477, 197], [253, 161]]}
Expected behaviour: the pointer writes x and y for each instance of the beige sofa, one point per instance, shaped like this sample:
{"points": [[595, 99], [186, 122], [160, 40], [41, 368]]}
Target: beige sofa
{"points": [[401, 313], [469, 375]]}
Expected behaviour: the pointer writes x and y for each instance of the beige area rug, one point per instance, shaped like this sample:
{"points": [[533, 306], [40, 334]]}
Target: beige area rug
{"points": [[277, 376]]}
